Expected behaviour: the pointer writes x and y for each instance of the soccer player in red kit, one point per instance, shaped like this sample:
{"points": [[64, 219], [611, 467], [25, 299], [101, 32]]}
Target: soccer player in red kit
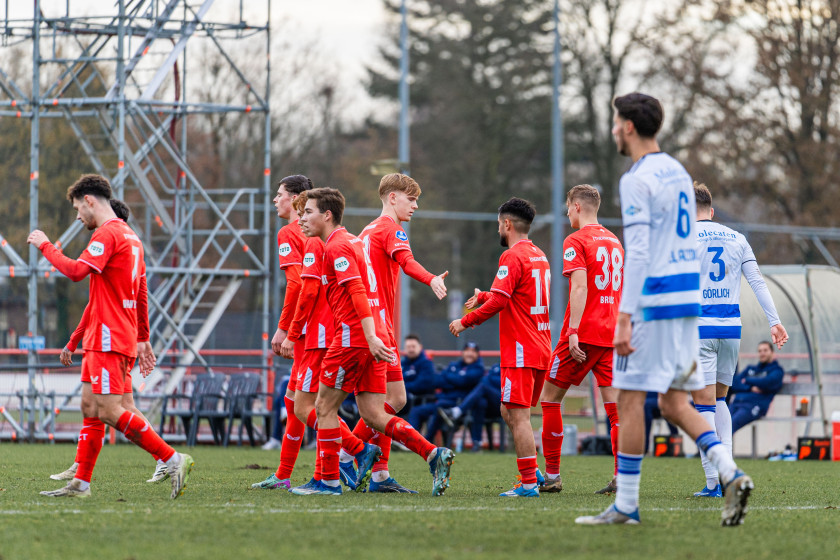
{"points": [[520, 293], [357, 358], [592, 260], [122, 212], [290, 241], [387, 250], [118, 306]]}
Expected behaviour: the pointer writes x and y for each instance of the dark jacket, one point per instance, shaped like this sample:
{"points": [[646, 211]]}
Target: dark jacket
{"points": [[460, 378], [420, 375], [767, 377], [494, 377]]}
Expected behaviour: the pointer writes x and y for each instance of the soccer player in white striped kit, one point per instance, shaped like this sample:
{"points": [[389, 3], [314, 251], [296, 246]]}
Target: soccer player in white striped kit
{"points": [[656, 337], [724, 255]]}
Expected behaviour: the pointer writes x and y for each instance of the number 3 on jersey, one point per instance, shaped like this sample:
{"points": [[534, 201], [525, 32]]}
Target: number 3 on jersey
{"points": [[721, 273], [611, 268], [541, 289]]}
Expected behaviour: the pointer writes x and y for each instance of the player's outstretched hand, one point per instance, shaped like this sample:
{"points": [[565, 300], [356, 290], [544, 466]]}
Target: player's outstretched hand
{"points": [[277, 341], [578, 355], [472, 303], [623, 333], [37, 238], [66, 357], [456, 327], [438, 286], [287, 349], [145, 358], [779, 335], [380, 351]]}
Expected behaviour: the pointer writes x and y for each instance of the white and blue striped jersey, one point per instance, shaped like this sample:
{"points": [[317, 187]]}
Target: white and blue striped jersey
{"points": [[661, 267], [724, 254]]}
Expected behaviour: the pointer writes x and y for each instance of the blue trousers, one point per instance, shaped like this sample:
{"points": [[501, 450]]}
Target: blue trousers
{"points": [[428, 413], [743, 414], [484, 399]]}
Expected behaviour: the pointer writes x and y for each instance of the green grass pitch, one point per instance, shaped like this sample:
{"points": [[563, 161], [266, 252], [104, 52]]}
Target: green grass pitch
{"points": [[793, 512]]}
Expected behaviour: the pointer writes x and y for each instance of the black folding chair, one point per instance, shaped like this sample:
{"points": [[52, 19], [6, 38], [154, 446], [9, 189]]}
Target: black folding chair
{"points": [[242, 393], [205, 396]]}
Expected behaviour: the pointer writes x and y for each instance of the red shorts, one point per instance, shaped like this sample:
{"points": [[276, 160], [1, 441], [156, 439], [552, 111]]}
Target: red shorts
{"points": [[521, 387], [297, 362], [107, 372], [309, 371], [353, 370], [565, 371]]}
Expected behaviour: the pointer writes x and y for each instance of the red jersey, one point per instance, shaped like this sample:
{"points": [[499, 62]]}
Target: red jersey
{"points": [[381, 240], [343, 261], [598, 251], [524, 276], [290, 240], [319, 325], [115, 254]]}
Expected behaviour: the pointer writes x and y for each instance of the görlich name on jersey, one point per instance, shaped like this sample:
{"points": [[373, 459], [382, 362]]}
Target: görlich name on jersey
{"points": [[713, 293]]}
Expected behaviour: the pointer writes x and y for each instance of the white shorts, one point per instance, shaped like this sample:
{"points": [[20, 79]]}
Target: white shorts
{"points": [[666, 357], [718, 359]]}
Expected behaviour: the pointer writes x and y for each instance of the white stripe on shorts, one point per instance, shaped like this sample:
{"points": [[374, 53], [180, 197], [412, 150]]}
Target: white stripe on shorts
{"points": [[106, 382], [506, 392]]}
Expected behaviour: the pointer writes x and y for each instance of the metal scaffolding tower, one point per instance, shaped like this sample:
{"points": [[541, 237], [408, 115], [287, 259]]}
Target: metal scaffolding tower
{"points": [[122, 88]]}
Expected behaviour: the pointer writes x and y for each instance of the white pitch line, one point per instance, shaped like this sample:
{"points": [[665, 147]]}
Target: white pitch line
{"points": [[251, 509]]}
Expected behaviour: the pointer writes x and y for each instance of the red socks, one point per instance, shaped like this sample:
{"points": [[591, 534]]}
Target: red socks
{"points": [[90, 443], [330, 442], [612, 414], [290, 449], [404, 433], [317, 475], [363, 431], [349, 442], [139, 432], [552, 437], [377, 438], [527, 469]]}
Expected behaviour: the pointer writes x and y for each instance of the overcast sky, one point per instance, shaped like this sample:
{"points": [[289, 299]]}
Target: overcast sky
{"points": [[347, 28]]}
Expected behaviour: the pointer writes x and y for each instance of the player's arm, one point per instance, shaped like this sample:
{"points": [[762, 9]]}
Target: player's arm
{"points": [[305, 305], [507, 278], [293, 286], [478, 298], [66, 356], [145, 354], [577, 302], [751, 272], [635, 215], [416, 270], [358, 295], [72, 269]]}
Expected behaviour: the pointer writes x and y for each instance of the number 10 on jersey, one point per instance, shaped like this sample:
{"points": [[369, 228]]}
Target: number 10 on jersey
{"points": [[542, 285]]}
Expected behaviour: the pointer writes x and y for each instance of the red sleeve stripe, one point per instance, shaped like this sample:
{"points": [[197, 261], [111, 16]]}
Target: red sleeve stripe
{"points": [[497, 290], [288, 264]]}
